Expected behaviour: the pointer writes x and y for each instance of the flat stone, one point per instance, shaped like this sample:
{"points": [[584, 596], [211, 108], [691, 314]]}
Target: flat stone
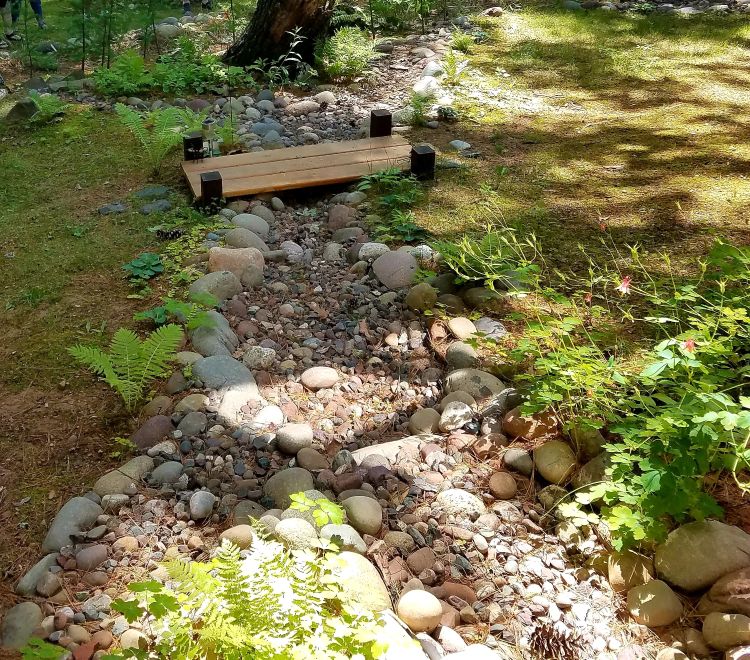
{"points": [[290, 438], [233, 382], [395, 270], [247, 510], [152, 432], [459, 502], [317, 378], [479, 384], [27, 584], [90, 558], [222, 285], [654, 604], [126, 478]]}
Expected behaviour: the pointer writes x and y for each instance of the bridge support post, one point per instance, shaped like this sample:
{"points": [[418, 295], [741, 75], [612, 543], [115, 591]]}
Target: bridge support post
{"points": [[381, 123], [211, 189], [423, 162], [192, 146]]}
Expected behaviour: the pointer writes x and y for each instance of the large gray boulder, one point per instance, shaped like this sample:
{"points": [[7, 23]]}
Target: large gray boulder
{"points": [[216, 338], [222, 285], [19, 623], [77, 515], [696, 555], [479, 384], [232, 381]]}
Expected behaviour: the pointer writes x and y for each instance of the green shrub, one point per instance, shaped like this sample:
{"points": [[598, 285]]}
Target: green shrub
{"points": [[269, 604], [346, 54], [48, 107], [144, 267], [126, 76], [192, 314], [462, 42], [159, 131], [497, 258], [132, 364]]}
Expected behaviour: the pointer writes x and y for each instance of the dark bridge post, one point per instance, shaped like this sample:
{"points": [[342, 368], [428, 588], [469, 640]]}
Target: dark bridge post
{"points": [[423, 162], [211, 188], [381, 123], [192, 146]]}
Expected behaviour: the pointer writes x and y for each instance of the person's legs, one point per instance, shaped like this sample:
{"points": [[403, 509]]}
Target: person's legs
{"points": [[36, 7], [5, 12], [186, 11]]}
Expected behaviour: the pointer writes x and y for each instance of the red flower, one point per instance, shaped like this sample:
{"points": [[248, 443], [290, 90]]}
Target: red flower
{"points": [[624, 286], [688, 345], [602, 227], [588, 297]]}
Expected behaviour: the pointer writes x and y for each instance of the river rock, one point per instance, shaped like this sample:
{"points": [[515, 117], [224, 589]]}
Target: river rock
{"points": [[462, 328], [459, 355], [285, 483], [395, 270], [421, 297], [454, 416], [723, 631], [459, 503], [317, 378], [201, 504], [696, 555], [730, 593], [253, 223], [239, 237], [345, 536], [19, 624], [360, 583], [233, 382], [628, 569], [290, 438], [152, 432], [479, 384], [364, 514], [27, 584], [222, 285], [126, 478], [503, 486], [91, 557], [76, 516], [424, 420], [654, 604], [531, 427], [214, 338], [555, 461], [238, 259], [247, 510], [419, 610], [296, 533], [239, 535]]}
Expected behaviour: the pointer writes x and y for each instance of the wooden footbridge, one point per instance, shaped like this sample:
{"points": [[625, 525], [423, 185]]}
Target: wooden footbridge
{"points": [[302, 167]]}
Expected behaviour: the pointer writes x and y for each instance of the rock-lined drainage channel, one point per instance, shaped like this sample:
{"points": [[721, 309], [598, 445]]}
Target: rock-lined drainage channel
{"points": [[319, 376]]}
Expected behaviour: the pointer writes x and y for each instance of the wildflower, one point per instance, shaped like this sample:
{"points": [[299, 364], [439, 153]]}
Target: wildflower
{"points": [[588, 298], [602, 227], [624, 287], [688, 345]]}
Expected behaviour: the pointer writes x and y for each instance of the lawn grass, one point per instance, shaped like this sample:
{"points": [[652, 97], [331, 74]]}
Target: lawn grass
{"points": [[637, 123]]}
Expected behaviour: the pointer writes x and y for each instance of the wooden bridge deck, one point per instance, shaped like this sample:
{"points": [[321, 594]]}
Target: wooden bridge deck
{"points": [[301, 167]]}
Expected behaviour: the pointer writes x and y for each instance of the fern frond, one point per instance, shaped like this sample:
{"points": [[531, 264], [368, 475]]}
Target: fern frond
{"points": [[157, 351]]}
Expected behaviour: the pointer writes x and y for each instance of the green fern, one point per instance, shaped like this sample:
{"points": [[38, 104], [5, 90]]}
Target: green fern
{"points": [[48, 107], [159, 131], [266, 603], [131, 364]]}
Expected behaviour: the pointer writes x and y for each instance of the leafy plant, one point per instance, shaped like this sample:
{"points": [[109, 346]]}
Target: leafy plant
{"points": [[454, 68], [269, 604], [124, 447], [48, 107], [38, 649], [420, 108], [127, 75], [497, 258], [346, 54], [400, 227], [159, 131], [144, 267], [192, 314], [462, 42], [286, 68], [131, 363], [323, 510]]}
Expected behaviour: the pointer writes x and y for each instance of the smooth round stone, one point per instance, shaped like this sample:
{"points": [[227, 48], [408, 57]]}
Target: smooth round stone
{"points": [[166, 473], [421, 297], [89, 558], [654, 604], [48, 585], [460, 356], [192, 402], [360, 583], [253, 223], [290, 438], [239, 535], [259, 357], [490, 328], [310, 459], [364, 514], [193, 423], [459, 502], [247, 510], [126, 544], [345, 536], [371, 251], [201, 504], [268, 416], [723, 631], [419, 610], [555, 461], [19, 624], [285, 483], [479, 384], [518, 460], [264, 212], [400, 540], [296, 533], [461, 327], [425, 420], [395, 270], [317, 378], [454, 416], [503, 486]]}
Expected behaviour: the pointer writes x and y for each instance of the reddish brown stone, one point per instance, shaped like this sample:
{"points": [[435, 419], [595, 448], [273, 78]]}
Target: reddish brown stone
{"points": [[489, 446], [152, 432], [531, 427], [348, 481], [450, 616], [461, 590]]}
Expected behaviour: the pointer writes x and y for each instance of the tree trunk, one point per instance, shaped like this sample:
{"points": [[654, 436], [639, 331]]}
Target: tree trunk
{"points": [[267, 35]]}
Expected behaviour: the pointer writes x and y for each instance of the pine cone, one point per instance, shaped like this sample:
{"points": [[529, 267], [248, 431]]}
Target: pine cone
{"points": [[548, 642]]}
